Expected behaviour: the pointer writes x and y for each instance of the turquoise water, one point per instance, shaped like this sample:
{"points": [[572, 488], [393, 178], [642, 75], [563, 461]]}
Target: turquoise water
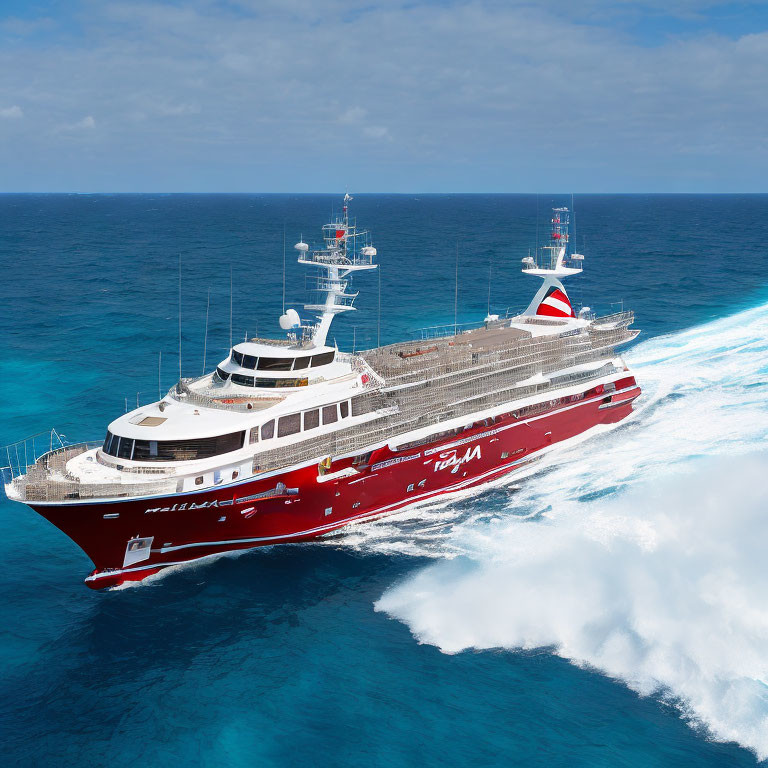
{"points": [[460, 634]]}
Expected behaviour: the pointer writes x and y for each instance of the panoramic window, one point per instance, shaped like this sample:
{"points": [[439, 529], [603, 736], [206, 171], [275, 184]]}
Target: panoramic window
{"points": [[344, 409], [237, 357], [183, 450], [291, 382], [249, 361], [289, 425], [245, 381], [329, 414], [268, 430], [275, 363], [301, 362], [323, 359], [311, 419], [125, 449], [221, 375]]}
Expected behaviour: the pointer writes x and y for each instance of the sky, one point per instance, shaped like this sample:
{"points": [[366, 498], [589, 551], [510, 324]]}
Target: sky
{"points": [[383, 96]]}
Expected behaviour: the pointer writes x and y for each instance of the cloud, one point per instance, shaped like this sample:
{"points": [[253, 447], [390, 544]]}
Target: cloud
{"points": [[512, 91], [12, 113], [377, 132], [353, 115]]}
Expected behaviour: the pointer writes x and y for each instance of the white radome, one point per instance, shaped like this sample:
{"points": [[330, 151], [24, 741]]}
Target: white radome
{"points": [[369, 250], [290, 320], [301, 246]]}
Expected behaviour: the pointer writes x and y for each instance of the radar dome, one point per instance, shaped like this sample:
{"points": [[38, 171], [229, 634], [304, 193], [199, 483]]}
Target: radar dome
{"points": [[301, 246], [290, 320]]}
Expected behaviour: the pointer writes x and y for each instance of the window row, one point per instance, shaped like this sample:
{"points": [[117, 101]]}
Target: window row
{"points": [[172, 450], [255, 381], [282, 363], [293, 423]]}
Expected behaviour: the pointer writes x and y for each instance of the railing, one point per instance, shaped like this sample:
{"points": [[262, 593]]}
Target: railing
{"points": [[403, 394], [24, 453], [576, 264]]}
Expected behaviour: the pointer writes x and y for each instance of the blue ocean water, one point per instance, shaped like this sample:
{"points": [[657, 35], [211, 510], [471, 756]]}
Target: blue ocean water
{"points": [[329, 653]]}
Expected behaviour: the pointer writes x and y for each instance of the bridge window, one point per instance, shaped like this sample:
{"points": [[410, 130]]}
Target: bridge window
{"points": [[237, 357], [275, 363], [221, 374], [323, 359], [344, 408], [249, 361], [268, 429], [300, 363], [179, 450], [245, 381]]}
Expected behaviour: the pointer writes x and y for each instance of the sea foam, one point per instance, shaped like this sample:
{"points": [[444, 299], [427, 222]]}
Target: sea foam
{"points": [[640, 553]]}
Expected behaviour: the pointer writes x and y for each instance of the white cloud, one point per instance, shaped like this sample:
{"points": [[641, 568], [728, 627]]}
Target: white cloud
{"points": [[11, 113], [507, 91], [377, 132], [353, 115], [86, 122]]}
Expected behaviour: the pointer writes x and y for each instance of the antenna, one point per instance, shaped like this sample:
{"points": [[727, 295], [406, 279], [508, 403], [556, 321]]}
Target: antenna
{"points": [[378, 324], [179, 317], [205, 342], [490, 269], [456, 293], [572, 238], [230, 305], [159, 370], [537, 226], [354, 338], [283, 267]]}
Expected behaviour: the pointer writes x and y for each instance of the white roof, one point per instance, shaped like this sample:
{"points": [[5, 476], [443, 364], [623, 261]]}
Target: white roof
{"points": [[258, 349]]}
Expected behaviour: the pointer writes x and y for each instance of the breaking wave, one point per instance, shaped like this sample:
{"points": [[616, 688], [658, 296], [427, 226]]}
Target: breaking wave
{"points": [[639, 553]]}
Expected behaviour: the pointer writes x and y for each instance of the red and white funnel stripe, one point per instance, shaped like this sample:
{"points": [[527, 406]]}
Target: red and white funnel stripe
{"points": [[555, 304]]}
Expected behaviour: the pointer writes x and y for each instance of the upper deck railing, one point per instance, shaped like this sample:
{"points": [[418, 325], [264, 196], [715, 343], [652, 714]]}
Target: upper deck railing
{"points": [[457, 380]]}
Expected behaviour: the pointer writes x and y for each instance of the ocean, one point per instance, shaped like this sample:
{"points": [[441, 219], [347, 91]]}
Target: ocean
{"points": [[608, 610]]}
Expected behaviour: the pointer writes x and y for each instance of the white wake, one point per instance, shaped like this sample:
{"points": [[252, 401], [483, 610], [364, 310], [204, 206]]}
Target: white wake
{"points": [[640, 553]]}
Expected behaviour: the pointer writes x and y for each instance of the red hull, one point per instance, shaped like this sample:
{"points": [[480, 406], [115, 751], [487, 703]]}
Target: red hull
{"points": [[188, 526]]}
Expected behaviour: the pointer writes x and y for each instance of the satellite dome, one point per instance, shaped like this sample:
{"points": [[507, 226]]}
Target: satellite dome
{"points": [[301, 246], [290, 320]]}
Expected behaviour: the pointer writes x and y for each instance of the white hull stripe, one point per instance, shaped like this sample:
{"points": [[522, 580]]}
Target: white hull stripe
{"points": [[322, 529], [524, 462], [373, 446], [561, 306]]}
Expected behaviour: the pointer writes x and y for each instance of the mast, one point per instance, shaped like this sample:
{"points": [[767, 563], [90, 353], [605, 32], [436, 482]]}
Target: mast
{"points": [[345, 251], [552, 261]]}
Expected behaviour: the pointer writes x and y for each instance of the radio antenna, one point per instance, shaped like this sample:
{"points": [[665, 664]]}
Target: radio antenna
{"points": [[490, 271], [159, 372], [573, 226], [378, 322], [230, 305], [205, 340], [456, 293], [283, 267], [179, 317]]}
